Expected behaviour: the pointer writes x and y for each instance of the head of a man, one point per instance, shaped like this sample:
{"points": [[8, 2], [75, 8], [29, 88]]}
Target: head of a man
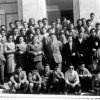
{"points": [[18, 68], [71, 68], [92, 15]]}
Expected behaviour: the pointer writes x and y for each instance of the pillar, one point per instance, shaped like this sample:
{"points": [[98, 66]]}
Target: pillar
{"points": [[83, 8], [32, 9]]}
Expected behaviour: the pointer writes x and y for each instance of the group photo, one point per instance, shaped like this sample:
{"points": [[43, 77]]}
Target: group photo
{"points": [[56, 58], [50, 57]]}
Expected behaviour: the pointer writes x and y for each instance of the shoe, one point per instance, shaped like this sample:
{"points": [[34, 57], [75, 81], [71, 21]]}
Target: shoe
{"points": [[65, 93], [79, 92], [76, 93], [13, 90]]}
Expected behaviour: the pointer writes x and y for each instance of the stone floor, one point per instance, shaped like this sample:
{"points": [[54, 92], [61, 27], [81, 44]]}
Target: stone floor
{"points": [[5, 90]]}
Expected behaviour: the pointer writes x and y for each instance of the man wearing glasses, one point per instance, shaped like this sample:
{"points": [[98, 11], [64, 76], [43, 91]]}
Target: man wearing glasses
{"points": [[72, 81]]}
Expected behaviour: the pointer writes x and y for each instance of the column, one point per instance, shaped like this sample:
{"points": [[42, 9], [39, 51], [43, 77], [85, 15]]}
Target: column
{"points": [[32, 9], [76, 10], [83, 8]]}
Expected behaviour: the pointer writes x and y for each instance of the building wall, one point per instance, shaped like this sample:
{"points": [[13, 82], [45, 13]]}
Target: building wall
{"points": [[88, 6], [8, 11], [54, 8], [32, 9], [83, 8]]}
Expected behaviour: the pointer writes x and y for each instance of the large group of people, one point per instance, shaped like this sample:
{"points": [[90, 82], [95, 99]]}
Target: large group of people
{"points": [[58, 58]]}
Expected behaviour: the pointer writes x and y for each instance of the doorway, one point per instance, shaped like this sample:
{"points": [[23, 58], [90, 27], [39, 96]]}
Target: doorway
{"points": [[68, 14]]}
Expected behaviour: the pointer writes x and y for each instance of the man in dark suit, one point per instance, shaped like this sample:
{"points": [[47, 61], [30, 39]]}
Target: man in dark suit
{"points": [[82, 48], [53, 51], [69, 53], [15, 35], [93, 43]]}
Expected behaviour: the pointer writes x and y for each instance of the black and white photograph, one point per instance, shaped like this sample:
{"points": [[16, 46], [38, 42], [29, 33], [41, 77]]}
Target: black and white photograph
{"points": [[50, 48]]}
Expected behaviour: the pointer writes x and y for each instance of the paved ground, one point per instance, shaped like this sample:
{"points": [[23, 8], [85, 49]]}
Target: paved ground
{"points": [[5, 90]]}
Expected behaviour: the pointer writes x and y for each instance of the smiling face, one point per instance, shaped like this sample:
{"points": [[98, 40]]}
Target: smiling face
{"points": [[71, 68], [81, 35], [21, 39], [93, 33], [15, 32], [25, 25], [47, 68], [53, 37], [89, 23], [10, 38], [37, 31], [79, 23], [35, 39], [70, 39], [32, 21], [82, 66], [84, 21], [92, 16], [3, 33], [45, 22], [58, 21], [11, 25], [23, 31], [19, 69]]}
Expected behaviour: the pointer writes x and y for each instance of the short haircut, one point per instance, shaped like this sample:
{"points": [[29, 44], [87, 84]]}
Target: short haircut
{"points": [[39, 21], [31, 19], [53, 21], [92, 30], [97, 24], [18, 66], [79, 20], [11, 23], [92, 14], [71, 65], [16, 21], [88, 20], [2, 30], [44, 19]]}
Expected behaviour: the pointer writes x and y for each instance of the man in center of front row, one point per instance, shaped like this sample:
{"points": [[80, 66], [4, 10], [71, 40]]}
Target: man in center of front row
{"points": [[34, 81], [72, 81]]}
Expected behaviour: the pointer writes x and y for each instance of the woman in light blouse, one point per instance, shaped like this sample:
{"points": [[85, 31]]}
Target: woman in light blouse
{"points": [[9, 49]]}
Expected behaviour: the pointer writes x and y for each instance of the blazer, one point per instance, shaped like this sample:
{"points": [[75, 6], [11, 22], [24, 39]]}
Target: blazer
{"points": [[31, 49], [94, 70], [82, 47], [54, 51], [67, 53], [93, 42]]}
